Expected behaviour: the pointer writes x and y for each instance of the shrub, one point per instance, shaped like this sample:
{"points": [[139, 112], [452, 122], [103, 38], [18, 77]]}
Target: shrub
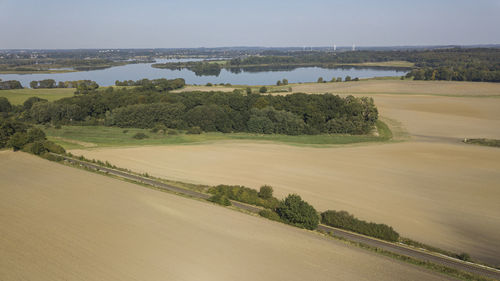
{"points": [[296, 211], [18, 140], [36, 134], [248, 90], [140, 136], [52, 147], [269, 214], [263, 89], [245, 195], [172, 132], [36, 148], [125, 131], [194, 131], [344, 220], [220, 199], [266, 192], [463, 256], [209, 85]]}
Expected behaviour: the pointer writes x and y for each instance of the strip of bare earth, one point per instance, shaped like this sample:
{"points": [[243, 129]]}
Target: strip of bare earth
{"points": [[433, 261]]}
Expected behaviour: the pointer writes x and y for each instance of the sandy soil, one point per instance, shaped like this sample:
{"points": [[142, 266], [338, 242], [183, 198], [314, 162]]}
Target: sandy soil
{"points": [[61, 223], [406, 87], [433, 188]]}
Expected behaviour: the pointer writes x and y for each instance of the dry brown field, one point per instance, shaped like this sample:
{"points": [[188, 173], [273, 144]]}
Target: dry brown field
{"points": [[62, 223], [431, 188], [446, 88]]}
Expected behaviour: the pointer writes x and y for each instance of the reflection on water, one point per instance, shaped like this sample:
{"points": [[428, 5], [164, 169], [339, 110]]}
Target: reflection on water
{"points": [[107, 77]]}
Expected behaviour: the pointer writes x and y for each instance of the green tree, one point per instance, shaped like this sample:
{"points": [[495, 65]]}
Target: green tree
{"points": [[266, 192], [248, 90], [34, 84], [339, 79], [5, 105], [18, 140], [347, 78], [30, 101], [297, 212], [320, 80], [263, 89], [35, 134], [284, 81], [278, 83]]}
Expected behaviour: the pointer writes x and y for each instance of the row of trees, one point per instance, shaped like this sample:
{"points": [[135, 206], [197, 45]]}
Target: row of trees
{"points": [[159, 85], [344, 220], [51, 83]]}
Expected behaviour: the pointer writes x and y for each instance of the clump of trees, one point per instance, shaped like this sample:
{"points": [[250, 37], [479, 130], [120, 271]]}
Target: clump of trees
{"points": [[293, 114], [344, 220], [263, 198], [20, 136], [295, 211], [10, 85]]}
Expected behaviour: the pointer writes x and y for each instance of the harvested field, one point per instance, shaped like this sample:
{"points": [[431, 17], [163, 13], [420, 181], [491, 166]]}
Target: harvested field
{"points": [[61, 223], [445, 88], [441, 194], [433, 188]]}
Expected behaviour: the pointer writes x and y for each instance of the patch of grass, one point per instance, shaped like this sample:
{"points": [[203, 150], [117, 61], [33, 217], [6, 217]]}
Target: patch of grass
{"points": [[455, 273], [101, 136], [484, 142], [18, 96]]}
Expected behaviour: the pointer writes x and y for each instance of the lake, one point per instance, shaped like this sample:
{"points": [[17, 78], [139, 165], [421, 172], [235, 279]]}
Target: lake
{"points": [[107, 77]]}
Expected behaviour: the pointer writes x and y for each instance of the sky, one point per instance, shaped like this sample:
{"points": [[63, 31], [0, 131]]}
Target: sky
{"points": [[67, 24]]}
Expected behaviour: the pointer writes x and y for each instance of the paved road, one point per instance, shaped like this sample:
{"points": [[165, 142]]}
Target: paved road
{"points": [[395, 248]]}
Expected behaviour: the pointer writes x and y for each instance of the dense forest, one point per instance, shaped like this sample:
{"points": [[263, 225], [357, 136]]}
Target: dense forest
{"points": [[150, 104]]}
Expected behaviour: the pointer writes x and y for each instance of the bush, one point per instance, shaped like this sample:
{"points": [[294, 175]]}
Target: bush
{"points": [[52, 147], [245, 195], [18, 140], [140, 136], [36, 134], [263, 89], [194, 131], [269, 214], [296, 211], [5, 105], [344, 220], [220, 199], [266, 192], [463, 256], [209, 85], [172, 132]]}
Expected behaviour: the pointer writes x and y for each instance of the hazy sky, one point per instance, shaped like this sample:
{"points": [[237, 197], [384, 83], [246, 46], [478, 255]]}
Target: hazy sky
{"points": [[214, 23]]}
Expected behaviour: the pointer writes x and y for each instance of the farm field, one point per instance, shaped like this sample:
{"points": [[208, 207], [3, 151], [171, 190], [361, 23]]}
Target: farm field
{"points": [[431, 188], [390, 85], [18, 96], [395, 86], [53, 230]]}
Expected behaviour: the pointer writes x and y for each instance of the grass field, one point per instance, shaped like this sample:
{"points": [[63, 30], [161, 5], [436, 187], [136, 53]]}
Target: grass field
{"points": [[99, 136], [18, 96], [53, 230]]}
